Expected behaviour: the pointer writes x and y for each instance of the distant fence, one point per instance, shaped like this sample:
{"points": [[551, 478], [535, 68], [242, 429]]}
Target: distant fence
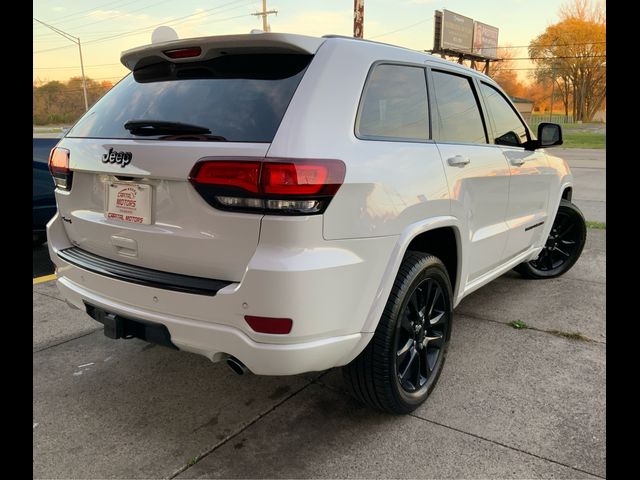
{"points": [[536, 119]]}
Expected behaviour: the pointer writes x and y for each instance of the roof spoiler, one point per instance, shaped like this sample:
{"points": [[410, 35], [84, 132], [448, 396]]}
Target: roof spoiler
{"points": [[206, 48]]}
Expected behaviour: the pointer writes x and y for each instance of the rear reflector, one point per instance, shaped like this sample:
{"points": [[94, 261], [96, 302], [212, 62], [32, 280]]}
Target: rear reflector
{"points": [[276, 326], [293, 187], [188, 52], [59, 168]]}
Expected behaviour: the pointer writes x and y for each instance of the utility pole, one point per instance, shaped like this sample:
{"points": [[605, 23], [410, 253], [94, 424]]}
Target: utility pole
{"points": [[553, 86], [75, 40], [263, 14], [358, 18]]}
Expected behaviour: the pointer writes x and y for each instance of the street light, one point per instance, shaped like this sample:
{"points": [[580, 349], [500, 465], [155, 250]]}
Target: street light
{"points": [[75, 40]]}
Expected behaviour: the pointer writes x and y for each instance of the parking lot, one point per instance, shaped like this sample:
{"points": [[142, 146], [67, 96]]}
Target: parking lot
{"points": [[511, 403]]}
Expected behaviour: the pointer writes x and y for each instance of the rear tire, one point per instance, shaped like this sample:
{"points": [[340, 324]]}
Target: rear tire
{"points": [[564, 245], [401, 365]]}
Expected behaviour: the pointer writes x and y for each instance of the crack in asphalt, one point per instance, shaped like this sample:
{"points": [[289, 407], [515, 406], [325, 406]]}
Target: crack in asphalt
{"points": [[337, 390], [47, 347], [504, 445], [555, 333], [242, 429], [50, 296]]}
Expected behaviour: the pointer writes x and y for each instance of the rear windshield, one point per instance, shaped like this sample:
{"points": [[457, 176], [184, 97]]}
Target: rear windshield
{"points": [[239, 98]]}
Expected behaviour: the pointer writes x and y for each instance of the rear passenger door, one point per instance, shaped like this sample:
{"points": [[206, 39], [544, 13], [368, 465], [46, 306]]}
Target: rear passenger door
{"points": [[477, 172], [531, 178]]}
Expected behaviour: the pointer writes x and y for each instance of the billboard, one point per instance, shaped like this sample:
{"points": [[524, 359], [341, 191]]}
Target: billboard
{"points": [[485, 40], [457, 32]]}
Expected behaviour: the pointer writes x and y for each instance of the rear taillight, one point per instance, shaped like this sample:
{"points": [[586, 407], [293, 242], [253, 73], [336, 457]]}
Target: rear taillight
{"points": [[278, 187], [59, 168]]}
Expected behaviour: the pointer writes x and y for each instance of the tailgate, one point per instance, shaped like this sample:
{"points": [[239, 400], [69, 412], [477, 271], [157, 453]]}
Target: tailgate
{"points": [[185, 235]]}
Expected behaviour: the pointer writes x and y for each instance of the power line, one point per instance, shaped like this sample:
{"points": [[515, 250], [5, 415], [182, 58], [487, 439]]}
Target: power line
{"points": [[175, 21], [86, 66], [57, 20], [402, 28]]}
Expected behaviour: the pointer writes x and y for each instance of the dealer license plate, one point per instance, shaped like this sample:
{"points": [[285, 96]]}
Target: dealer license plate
{"points": [[129, 202]]}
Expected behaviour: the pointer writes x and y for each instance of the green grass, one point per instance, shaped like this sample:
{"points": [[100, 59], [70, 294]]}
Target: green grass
{"points": [[583, 140], [518, 324], [192, 461], [596, 225]]}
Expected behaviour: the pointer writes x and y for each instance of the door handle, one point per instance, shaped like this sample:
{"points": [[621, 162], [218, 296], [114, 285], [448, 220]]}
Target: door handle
{"points": [[517, 161], [458, 161]]}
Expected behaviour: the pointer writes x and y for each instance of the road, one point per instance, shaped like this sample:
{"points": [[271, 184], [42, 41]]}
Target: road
{"points": [[589, 171]]}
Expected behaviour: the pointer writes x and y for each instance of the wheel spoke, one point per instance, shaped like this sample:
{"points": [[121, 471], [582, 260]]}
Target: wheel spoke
{"points": [[435, 340], [562, 252], [549, 260], [436, 297], [406, 322], [405, 348], [431, 357], [565, 231], [413, 303], [435, 320], [403, 374]]}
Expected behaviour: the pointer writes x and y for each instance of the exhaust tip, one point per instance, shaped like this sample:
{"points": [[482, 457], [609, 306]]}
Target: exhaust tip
{"points": [[237, 366]]}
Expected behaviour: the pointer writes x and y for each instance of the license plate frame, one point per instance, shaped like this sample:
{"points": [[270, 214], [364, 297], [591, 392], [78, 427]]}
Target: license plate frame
{"points": [[129, 202]]}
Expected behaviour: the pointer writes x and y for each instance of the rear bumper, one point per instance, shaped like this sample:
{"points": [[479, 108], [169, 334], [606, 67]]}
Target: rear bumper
{"points": [[327, 289]]}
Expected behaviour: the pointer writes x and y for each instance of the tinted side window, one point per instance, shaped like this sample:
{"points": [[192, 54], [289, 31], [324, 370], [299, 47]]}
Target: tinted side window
{"points": [[394, 104], [459, 117], [509, 129]]}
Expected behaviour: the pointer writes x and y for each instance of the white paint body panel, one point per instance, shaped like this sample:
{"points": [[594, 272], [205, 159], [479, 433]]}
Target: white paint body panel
{"points": [[330, 273]]}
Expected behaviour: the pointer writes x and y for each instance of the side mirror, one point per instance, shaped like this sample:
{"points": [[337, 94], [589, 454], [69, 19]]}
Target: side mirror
{"points": [[549, 134]]}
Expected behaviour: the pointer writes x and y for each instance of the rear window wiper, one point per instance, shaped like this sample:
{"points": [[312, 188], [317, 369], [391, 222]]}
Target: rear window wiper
{"points": [[159, 127]]}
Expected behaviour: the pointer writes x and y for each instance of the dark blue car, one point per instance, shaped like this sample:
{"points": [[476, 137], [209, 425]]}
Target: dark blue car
{"points": [[44, 202]]}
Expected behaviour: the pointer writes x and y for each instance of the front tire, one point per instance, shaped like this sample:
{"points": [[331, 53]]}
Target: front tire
{"points": [[564, 245], [401, 365]]}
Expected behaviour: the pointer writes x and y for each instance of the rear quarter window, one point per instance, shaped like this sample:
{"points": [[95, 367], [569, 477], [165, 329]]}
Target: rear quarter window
{"points": [[394, 104], [241, 98]]}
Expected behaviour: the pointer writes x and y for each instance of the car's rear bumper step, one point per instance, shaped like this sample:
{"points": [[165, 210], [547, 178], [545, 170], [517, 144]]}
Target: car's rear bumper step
{"points": [[140, 275], [117, 326]]}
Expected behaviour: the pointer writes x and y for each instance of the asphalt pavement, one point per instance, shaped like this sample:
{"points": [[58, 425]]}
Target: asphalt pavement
{"points": [[511, 403], [588, 166]]}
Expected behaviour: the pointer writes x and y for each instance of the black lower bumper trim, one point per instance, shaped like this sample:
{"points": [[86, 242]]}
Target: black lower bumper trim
{"points": [[141, 275], [117, 326]]}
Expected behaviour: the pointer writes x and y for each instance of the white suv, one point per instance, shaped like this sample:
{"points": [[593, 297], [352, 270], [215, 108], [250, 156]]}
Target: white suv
{"points": [[290, 204]]}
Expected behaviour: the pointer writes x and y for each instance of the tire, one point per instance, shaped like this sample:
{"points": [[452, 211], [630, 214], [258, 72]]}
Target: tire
{"points": [[385, 375], [563, 248]]}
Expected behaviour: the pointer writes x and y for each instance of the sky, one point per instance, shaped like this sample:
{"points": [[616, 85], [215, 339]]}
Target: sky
{"points": [[108, 27]]}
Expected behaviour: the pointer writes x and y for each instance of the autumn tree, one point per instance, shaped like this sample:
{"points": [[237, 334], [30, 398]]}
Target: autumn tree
{"points": [[572, 54], [504, 74], [58, 102]]}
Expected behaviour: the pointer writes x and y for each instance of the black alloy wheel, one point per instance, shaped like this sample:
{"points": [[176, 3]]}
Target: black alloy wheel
{"points": [[563, 247], [399, 368], [420, 336]]}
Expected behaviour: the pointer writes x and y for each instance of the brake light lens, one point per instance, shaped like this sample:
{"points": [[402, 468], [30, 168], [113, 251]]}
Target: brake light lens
{"points": [[291, 187], [243, 175], [59, 168], [292, 179], [277, 326], [187, 52]]}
